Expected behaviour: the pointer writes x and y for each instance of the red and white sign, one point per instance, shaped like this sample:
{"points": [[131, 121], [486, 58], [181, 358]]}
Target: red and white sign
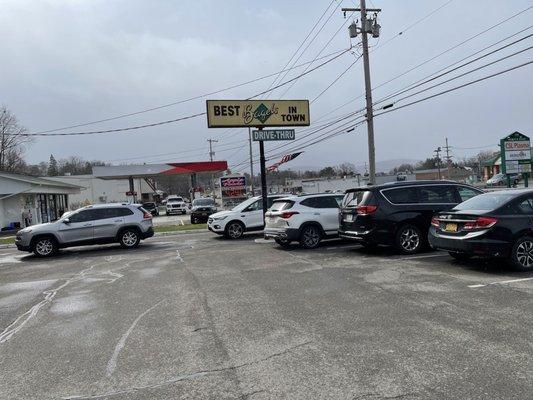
{"points": [[517, 145]]}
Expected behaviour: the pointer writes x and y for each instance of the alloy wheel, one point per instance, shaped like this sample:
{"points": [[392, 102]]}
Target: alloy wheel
{"points": [[409, 239], [129, 238], [311, 237], [44, 247], [524, 253], [235, 231]]}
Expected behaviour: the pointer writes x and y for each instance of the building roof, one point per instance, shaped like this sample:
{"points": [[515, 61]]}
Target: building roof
{"points": [[37, 180]]}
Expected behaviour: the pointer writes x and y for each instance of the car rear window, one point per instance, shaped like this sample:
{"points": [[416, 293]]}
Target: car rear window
{"points": [[281, 205], [487, 201], [437, 194], [353, 199]]}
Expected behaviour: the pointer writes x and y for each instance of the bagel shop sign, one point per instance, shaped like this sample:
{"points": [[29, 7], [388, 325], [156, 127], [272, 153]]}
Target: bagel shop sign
{"points": [[257, 113]]}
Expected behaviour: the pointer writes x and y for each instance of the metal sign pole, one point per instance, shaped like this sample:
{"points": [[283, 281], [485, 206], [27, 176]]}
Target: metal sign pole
{"points": [[263, 176]]}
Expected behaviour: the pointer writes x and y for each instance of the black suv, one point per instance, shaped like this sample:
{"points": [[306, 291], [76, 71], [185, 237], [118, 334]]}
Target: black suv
{"points": [[202, 209], [398, 214]]}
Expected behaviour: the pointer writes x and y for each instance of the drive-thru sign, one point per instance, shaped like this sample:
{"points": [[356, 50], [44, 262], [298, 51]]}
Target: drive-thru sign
{"points": [[259, 114], [515, 151]]}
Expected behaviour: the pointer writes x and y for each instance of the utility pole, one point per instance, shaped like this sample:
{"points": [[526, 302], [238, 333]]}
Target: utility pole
{"points": [[211, 152], [448, 159], [367, 26], [211, 155], [437, 151], [251, 159]]}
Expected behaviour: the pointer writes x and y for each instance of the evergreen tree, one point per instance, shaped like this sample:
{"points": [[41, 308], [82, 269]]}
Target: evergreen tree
{"points": [[52, 167]]}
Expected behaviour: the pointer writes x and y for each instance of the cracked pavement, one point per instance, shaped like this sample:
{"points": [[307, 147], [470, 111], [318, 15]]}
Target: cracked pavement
{"points": [[198, 317]]}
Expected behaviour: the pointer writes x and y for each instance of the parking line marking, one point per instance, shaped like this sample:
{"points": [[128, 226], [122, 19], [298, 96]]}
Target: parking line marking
{"points": [[422, 256], [499, 283]]}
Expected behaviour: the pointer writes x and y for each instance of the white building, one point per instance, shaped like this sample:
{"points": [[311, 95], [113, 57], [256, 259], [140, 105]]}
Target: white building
{"points": [[95, 190], [21, 196], [320, 185]]}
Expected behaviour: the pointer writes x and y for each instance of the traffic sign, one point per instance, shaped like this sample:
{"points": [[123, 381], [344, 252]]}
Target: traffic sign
{"points": [[273, 134]]}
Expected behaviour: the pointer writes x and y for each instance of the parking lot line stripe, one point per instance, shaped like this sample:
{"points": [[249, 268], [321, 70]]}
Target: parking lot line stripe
{"points": [[422, 256], [500, 282]]}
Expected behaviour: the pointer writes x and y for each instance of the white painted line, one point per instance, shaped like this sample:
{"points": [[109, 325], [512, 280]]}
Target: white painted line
{"points": [[500, 282], [181, 221], [112, 363], [422, 256]]}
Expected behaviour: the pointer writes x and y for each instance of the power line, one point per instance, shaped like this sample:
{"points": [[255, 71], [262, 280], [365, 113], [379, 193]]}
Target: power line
{"points": [[335, 80], [187, 99], [456, 88], [182, 118]]}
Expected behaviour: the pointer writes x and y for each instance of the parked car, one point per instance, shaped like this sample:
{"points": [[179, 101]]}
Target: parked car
{"points": [[175, 205], [152, 208], [244, 217], [501, 180], [497, 224], [202, 209], [398, 214], [126, 224], [306, 219]]}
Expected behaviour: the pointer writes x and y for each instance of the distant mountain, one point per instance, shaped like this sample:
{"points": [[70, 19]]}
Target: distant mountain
{"points": [[381, 166]]}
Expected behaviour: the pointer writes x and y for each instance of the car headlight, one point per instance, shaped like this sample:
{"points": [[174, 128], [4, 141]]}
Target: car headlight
{"points": [[220, 218], [25, 231]]}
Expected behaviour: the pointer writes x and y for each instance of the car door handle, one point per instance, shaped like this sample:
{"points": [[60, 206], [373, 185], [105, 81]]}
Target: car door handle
{"points": [[243, 215], [316, 213], [118, 220], [87, 225]]}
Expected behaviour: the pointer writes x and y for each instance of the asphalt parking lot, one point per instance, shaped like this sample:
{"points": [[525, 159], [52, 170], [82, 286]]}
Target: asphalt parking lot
{"points": [[194, 316]]}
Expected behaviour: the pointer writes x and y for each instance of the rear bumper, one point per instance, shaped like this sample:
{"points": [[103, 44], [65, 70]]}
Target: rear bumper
{"points": [[356, 236], [282, 233], [474, 245], [149, 233]]}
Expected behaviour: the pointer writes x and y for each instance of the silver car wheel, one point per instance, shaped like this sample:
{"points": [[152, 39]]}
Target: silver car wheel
{"points": [[235, 231], [524, 253], [409, 239], [44, 247], [129, 238]]}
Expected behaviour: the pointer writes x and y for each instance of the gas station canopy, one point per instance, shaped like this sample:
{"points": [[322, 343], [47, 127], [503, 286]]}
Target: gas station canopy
{"points": [[153, 170]]}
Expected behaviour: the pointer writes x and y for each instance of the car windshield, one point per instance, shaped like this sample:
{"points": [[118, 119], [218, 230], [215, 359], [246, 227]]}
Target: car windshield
{"points": [[148, 205], [244, 204], [175, 199], [487, 201], [203, 202], [281, 205]]}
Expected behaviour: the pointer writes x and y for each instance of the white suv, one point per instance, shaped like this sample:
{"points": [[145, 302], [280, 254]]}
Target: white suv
{"points": [[246, 216], [307, 219], [176, 205]]}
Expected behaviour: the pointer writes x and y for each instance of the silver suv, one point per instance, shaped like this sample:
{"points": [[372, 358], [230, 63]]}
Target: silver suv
{"points": [[126, 224]]}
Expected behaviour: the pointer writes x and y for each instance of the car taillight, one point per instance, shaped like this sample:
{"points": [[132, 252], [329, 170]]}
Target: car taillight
{"points": [[147, 215], [288, 214], [435, 222], [480, 223], [365, 210]]}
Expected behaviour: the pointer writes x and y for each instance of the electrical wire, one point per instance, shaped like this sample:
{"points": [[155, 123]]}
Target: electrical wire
{"points": [[336, 80], [182, 118]]}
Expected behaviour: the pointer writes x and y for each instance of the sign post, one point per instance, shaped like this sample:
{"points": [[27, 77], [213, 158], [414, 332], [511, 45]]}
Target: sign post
{"points": [[515, 152], [259, 114]]}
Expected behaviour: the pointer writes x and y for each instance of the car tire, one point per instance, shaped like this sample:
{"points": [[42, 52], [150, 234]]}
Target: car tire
{"points": [[234, 230], [129, 238], [522, 254], [283, 242], [460, 256], [184, 212], [167, 214], [409, 239], [45, 246], [310, 236], [194, 220]]}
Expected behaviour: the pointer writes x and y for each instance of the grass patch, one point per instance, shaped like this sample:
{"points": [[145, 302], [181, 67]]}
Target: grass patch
{"points": [[8, 240], [177, 228]]}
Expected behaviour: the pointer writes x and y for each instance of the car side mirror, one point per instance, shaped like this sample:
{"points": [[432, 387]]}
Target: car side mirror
{"points": [[66, 221]]}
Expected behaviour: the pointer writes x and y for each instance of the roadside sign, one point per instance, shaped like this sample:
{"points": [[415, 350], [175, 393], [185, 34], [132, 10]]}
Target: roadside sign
{"points": [[273, 134], [515, 152], [233, 187], [257, 113]]}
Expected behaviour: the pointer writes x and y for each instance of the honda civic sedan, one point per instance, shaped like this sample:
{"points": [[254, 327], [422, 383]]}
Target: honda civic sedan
{"points": [[497, 224]]}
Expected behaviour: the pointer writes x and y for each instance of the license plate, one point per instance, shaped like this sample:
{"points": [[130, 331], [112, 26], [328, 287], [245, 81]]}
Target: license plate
{"points": [[450, 227], [348, 218]]}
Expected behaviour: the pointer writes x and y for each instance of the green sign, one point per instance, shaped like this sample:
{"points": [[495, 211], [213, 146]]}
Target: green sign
{"points": [[273, 134], [515, 151]]}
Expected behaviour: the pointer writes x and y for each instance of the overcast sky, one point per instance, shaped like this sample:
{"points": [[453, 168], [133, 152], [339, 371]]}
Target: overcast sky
{"points": [[66, 62]]}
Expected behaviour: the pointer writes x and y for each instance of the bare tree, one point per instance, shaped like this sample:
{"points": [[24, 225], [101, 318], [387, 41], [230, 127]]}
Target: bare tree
{"points": [[12, 141]]}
